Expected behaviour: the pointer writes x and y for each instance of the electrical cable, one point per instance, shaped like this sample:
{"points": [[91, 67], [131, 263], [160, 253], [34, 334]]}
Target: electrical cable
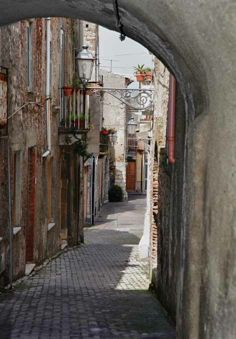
{"points": [[119, 24]]}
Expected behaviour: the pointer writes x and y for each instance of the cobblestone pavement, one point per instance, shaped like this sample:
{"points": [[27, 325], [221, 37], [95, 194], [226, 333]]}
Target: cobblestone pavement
{"points": [[98, 290]]}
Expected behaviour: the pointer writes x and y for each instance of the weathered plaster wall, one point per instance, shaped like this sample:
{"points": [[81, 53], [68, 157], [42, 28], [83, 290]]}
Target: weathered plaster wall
{"points": [[168, 217]]}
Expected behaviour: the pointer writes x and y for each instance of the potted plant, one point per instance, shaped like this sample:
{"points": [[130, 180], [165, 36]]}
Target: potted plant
{"points": [[148, 74], [82, 121], [76, 83], [115, 194], [140, 73], [104, 131], [73, 120], [68, 90]]}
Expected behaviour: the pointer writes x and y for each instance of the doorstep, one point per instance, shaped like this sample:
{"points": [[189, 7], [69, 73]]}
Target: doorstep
{"points": [[63, 244], [16, 230], [29, 268]]}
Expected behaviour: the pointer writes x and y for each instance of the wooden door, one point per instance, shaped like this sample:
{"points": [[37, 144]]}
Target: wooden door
{"points": [[131, 177], [31, 189]]}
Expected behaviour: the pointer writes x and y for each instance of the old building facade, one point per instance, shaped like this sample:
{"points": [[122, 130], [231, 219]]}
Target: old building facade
{"points": [[43, 141]]}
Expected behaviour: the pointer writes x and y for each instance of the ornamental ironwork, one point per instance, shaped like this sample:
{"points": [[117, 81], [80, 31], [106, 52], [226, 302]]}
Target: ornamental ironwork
{"points": [[137, 99]]}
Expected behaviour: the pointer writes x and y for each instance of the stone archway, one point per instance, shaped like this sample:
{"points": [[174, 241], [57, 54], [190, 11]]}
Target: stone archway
{"points": [[197, 41]]}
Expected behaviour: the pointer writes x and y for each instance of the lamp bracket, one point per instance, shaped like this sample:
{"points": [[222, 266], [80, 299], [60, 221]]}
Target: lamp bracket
{"points": [[137, 99]]}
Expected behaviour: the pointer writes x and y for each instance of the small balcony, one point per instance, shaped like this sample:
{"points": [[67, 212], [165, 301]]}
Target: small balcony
{"points": [[73, 122], [74, 116]]}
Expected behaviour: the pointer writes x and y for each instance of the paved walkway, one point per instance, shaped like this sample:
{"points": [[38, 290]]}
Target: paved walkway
{"points": [[98, 290]]}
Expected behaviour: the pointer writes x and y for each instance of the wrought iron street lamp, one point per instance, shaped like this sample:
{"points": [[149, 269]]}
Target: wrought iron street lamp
{"points": [[131, 126], [85, 62]]}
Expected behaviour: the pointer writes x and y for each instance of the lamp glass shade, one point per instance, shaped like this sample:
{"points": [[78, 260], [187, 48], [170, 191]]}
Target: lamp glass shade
{"points": [[132, 125], [85, 61]]}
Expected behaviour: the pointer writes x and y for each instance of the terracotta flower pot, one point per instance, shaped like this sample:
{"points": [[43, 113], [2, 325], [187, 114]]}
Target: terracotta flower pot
{"points": [[148, 76], [68, 91], [140, 77]]}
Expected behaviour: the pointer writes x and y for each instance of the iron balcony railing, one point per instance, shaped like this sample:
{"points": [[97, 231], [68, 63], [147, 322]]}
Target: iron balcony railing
{"points": [[74, 113]]}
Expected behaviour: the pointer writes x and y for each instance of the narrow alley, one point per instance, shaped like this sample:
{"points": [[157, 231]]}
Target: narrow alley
{"points": [[96, 290]]}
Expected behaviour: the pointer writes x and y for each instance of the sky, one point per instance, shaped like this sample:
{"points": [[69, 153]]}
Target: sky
{"points": [[121, 57]]}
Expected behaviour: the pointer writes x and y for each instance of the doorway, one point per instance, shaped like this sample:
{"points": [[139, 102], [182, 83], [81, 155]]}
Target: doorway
{"points": [[31, 189], [131, 177]]}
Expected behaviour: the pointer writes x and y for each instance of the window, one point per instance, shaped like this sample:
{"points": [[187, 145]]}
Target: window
{"points": [[17, 188], [30, 57]]}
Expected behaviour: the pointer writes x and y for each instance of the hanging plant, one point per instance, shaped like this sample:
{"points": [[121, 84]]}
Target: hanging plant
{"points": [[80, 148]]}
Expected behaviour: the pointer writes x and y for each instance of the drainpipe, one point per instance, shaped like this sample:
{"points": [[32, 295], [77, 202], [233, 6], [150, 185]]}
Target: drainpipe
{"points": [[171, 121], [10, 215], [48, 87]]}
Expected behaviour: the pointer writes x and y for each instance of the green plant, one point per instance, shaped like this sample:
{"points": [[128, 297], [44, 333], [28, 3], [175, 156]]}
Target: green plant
{"points": [[72, 117], [148, 69], [76, 83], [139, 69], [115, 194], [81, 116], [80, 147], [69, 84]]}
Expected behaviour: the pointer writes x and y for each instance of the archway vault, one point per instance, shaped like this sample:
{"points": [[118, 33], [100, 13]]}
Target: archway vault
{"points": [[182, 34]]}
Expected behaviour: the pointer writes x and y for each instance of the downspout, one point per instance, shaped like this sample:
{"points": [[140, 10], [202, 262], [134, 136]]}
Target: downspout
{"points": [[171, 121], [10, 215], [48, 87]]}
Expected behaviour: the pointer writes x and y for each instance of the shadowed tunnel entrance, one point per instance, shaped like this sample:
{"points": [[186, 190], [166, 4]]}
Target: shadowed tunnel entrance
{"points": [[196, 40]]}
